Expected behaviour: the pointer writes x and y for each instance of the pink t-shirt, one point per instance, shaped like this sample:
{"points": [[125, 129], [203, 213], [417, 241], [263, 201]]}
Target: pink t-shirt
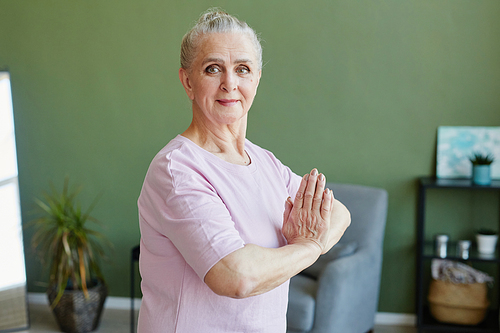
{"points": [[194, 209]]}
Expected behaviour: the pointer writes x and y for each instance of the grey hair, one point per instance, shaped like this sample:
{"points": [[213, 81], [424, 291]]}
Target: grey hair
{"points": [[215, 21]]}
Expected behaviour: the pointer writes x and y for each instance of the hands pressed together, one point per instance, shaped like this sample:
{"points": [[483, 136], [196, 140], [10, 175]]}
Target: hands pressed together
{"points": [[314, 216]]}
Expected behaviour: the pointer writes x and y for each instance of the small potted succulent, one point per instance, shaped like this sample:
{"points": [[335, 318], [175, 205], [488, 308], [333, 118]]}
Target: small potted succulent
{"points": [[486, 241], [481, 174], [71, 251]]}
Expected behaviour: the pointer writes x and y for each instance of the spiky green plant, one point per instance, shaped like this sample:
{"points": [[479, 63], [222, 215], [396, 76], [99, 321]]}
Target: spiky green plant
{"points": [[481, 159], [63, 240]]}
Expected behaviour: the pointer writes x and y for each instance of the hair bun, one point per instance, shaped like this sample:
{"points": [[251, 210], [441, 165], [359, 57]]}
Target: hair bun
{"points": [[212, 14]]}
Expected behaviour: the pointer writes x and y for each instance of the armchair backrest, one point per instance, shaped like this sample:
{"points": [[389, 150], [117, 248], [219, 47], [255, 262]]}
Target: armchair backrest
{"points": [[368, 207]]}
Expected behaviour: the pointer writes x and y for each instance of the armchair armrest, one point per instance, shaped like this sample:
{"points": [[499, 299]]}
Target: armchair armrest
{"points": [[347, 296]]}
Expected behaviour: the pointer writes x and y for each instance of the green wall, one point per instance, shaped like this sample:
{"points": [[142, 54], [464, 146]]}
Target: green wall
{"points": [[355, 88]]}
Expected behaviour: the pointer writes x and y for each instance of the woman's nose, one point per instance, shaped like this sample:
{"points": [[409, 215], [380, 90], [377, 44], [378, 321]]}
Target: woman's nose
{"points": [[229, 82]]}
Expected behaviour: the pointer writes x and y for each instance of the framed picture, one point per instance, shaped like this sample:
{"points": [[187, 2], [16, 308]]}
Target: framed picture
{"points": [[456, 144]]}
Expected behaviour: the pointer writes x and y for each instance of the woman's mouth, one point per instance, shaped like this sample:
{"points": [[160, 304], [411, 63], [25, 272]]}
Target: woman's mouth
{"points": [[227, 102]]}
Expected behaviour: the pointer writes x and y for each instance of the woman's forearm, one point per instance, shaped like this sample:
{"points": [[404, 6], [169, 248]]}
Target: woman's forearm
{"points": [[312, 224], [254, 270]]}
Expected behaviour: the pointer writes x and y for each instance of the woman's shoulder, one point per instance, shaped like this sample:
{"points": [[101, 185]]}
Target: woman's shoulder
{"points": [[267, 161], [257, 151], [175, 152], [177, 148], [177, 161]]}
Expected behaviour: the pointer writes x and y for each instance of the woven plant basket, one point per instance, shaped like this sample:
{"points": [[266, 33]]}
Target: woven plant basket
{"points": [[457, 303], [77, 314]]}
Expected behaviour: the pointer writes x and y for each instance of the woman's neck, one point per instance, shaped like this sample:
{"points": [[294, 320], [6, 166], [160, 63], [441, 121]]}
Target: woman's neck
{"points": [[224, 141]]}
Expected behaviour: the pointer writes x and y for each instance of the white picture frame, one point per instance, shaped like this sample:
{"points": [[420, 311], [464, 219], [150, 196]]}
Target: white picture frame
{"points": [[456, 144]]}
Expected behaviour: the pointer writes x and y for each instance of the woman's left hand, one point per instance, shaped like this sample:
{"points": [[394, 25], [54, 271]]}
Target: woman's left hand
{"points": [[308, 218]]}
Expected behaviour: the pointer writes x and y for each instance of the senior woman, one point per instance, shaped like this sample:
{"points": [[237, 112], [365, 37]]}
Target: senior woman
{"points": [[220, 234]]}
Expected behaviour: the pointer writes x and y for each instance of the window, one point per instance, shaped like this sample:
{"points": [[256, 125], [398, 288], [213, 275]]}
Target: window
{"points": [[13, 308]]}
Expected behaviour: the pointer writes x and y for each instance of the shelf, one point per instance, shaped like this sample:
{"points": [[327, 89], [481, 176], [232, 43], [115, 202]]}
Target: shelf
{"points": [[425, 252], [474, 255], [489, 325], [432, 182]]}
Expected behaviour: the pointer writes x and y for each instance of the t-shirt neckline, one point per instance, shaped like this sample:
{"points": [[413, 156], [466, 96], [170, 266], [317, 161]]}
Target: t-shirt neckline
{"points": [[219, 161]]}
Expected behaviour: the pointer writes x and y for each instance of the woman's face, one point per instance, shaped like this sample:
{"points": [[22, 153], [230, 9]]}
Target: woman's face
{"points": [[223, 78]]}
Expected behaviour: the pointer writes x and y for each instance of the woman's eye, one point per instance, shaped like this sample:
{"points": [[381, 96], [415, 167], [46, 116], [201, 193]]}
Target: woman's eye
{"points": [[212, 70], [243, 70]]}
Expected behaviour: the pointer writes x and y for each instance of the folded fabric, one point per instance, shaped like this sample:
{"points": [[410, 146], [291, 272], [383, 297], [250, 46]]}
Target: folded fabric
{"points": [[456, 272], [338, 251]]}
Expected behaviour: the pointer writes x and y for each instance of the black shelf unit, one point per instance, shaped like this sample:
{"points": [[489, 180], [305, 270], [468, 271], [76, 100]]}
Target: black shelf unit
{"points": [[425, 322]]}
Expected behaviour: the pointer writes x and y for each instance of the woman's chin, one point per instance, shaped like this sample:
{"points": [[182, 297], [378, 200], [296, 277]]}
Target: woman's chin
{"points": [[231, 118]]}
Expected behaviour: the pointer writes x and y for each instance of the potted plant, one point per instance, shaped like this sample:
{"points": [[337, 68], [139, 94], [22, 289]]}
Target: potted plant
{"points": [[481, 174], [486, 241], [72, 251]]}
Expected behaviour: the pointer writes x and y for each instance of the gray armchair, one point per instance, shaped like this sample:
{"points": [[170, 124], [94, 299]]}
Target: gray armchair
{"points": [[339, 293]]}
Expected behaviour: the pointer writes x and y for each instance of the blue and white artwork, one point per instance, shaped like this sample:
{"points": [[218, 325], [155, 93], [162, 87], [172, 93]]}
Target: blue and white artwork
{"points": [[457, 144]]}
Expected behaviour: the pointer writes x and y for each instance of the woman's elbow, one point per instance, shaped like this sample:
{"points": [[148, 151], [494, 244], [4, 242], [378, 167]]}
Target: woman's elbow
{"points": [[229, 283], [242, 290]]}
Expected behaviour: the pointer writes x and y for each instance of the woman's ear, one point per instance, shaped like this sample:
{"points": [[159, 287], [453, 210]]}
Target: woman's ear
{"points": [[184, 77]]}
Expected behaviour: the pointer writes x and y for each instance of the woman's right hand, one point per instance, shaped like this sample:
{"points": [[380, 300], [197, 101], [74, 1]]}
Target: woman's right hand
{"points": [[308, 218]]}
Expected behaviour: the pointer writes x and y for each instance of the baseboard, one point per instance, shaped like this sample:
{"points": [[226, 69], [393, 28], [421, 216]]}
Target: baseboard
{"points": [[395, 319], [123, 303]]}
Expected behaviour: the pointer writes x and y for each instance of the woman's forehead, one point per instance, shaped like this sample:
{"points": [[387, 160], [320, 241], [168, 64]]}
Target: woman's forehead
{"points": [[221, 47]]}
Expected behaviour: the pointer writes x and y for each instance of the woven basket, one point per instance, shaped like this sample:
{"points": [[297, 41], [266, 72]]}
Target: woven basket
{"points": [[464, 304], [77, 314]]}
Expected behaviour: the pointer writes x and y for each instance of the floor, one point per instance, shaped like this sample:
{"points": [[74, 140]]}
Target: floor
{"points": [[118, 321]]}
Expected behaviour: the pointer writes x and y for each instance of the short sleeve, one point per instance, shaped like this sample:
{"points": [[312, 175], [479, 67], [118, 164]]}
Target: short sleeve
{"points": [[183, 206]]}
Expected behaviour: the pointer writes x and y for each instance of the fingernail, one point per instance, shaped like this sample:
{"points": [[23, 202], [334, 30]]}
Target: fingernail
{"points": [[322, 177], [307, 177], [314, 172]]}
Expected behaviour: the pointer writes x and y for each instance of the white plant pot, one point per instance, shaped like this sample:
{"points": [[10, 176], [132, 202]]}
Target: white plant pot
{"points": [[486, 244]]}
